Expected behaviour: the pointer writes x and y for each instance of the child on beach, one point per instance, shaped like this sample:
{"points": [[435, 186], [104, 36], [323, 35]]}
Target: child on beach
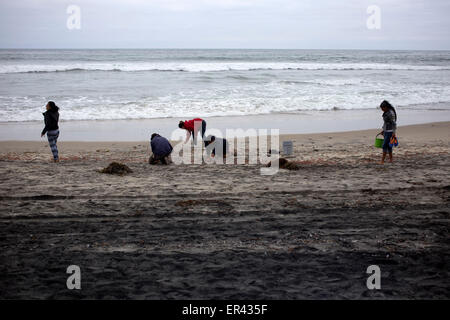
{"points": [[217, 146], [51, 118], [389, 128], [192, 127]]}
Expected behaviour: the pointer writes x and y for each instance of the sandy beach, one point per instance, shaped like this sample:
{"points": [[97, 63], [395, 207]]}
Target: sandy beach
{"points": [[225, 231]]}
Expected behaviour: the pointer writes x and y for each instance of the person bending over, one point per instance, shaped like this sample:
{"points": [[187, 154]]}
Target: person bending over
{"points": [[217, 146], [192, 128]]}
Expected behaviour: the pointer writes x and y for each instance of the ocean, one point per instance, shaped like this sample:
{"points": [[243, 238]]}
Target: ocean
{"points": [[149, 84]]}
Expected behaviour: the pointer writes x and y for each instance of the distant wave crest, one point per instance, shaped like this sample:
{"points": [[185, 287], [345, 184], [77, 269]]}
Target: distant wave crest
{"points": [[210, 67]]}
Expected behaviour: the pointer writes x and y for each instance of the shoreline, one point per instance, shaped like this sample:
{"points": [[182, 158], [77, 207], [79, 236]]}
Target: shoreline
{"points": [[408, 129], [308, 146], [141, 129]]}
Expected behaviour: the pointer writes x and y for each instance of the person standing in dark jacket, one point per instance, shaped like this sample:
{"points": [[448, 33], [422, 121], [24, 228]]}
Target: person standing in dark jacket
{"points": [[389, 128], [161, 150], [51, 118]]}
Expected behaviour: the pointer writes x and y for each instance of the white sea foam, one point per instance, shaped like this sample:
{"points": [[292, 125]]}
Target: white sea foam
{"points": [[85, 108], [207, 67], [138, 84]]}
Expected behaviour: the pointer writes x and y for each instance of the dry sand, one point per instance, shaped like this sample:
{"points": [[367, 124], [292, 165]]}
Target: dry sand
{"points": [[225, 231]]}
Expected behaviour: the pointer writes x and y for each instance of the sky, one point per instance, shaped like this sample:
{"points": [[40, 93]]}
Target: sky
{"points": [[275, 24]]}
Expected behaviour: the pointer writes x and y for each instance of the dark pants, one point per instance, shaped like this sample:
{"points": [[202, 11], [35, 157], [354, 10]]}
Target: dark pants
{"points": [[194, 134], [220, 144], [387, 139], [164, 159]]}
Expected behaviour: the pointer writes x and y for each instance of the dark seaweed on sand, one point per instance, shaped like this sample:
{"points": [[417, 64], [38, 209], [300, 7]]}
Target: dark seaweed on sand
{"points": [[116, 168], [286, 164]]}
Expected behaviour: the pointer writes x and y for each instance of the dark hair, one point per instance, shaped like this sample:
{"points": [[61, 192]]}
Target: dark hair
{"points": [[181, 124], [386, 104], [53, 106], [154, 135], [209, 139]]}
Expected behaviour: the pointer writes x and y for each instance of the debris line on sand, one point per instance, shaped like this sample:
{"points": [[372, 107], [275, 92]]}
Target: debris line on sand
{"points": [[285, 164]]}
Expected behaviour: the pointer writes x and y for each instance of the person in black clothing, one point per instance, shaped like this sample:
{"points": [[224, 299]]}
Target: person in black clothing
{"points": [[161, 150], [51, 118], [217, 146], [389, 128]]}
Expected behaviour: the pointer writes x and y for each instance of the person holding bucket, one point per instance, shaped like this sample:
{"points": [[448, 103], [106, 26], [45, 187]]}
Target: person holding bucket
{"points": [[389, 128]]}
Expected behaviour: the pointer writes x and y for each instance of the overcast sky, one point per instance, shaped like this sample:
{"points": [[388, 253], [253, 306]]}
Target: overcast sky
{"points": [[303, 24]]}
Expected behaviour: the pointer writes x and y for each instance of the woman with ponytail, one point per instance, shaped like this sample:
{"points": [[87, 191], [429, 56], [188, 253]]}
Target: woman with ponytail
{"points": [[51, 118], [389, 128], [193, 127]]}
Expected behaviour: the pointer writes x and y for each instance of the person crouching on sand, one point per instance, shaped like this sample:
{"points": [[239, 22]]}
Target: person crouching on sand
{"points": [[389, 128], [161, 150], [217, 146], [192, 127], [51, 118]]}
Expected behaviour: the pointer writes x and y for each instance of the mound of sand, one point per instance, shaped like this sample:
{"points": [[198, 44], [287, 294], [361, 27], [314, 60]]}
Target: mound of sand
{"points": [[286, 164], [116, 168]]}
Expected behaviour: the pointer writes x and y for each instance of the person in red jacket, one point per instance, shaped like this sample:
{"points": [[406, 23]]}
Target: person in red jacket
{"points": [[192, 128]]}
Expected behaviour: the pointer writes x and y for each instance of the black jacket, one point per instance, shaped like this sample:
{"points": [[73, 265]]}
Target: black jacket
{"points": [[390, 121], [51, 119], [220, 144]]}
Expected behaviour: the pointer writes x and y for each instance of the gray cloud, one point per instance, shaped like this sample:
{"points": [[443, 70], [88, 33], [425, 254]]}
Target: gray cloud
{"points": [[405, 24]]}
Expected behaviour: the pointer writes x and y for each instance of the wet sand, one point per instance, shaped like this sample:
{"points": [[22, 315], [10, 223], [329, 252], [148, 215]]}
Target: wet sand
{"points": [[288, 123], [225, 231]]}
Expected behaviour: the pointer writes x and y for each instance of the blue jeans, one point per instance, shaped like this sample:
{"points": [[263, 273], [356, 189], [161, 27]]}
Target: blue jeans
{"points": [[387, 139]]}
